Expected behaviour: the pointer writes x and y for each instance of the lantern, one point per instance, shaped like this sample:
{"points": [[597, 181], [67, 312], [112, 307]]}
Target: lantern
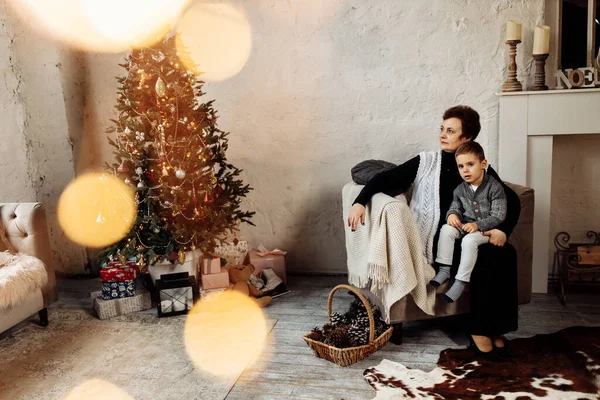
{"points": [[176, 294]]}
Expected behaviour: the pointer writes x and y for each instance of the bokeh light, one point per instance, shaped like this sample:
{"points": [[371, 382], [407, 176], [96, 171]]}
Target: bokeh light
{"points": [[98, 389], [223, 332], [101, 25], [97, 210], [218, 38]]}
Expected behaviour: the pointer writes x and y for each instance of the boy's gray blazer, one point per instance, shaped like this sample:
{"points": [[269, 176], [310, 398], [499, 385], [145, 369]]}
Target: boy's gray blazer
{"points": [[486, 207]]}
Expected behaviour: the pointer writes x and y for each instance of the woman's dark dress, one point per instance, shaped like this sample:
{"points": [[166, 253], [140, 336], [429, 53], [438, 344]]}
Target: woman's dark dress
{"points": [[493, 287]]}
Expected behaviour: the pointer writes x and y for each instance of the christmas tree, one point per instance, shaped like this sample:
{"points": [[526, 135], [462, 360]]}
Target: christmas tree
{"points": [[168, 147]]}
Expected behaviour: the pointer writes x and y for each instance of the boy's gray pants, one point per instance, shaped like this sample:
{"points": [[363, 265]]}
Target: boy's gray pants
{"points": [[470, 246]]}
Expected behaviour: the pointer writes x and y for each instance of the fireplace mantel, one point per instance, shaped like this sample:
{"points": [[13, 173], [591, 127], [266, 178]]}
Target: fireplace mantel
{"points": [[528, 123]]}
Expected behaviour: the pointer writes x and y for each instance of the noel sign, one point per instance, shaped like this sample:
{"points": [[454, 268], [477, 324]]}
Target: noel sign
{"points": [[575, 78]]}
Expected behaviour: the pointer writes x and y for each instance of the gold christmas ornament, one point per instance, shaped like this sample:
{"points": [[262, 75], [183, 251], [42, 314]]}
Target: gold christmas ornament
{"points": [[161, 89], [121, 258], [181, 257]]}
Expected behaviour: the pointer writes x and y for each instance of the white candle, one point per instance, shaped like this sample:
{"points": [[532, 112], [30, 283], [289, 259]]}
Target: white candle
{"points": [[166, 306], [513, 30], [541, 40], [178, 306]]}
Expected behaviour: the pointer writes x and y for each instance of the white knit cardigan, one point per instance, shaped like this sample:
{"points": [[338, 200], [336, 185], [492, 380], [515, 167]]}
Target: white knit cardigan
{"points": [[425, 202]]}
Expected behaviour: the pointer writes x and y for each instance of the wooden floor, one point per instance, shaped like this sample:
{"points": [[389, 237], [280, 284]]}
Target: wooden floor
{"points": [[286, 368]]}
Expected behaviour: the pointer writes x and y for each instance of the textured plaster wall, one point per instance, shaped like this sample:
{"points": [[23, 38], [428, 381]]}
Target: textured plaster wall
{"points": [[575, 201], [38, 98], [332, 83]]}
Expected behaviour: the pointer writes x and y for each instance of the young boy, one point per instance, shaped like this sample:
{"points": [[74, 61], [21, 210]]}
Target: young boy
{"points": [[479, 204]]}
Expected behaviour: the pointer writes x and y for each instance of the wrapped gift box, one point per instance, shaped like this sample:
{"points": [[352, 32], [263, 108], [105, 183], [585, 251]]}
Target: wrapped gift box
{"points": [[118, 290], [117, 272], [216, 281], [262, 258], [112, 308], [211, 265], [233, 253]]}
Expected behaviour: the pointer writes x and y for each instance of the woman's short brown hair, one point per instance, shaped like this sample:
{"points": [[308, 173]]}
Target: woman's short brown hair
{"points": [[469, 120]]}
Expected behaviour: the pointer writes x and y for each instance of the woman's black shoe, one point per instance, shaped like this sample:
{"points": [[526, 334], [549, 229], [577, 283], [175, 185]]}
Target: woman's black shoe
{"points": [[504, 353], [486, 355]]}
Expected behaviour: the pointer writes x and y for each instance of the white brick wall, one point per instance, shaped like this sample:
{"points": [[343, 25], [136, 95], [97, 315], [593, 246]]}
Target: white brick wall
{"points": [[328, 84]]}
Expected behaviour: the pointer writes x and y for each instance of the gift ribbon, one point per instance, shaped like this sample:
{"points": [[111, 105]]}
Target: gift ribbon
{"points": [[263, 251]]}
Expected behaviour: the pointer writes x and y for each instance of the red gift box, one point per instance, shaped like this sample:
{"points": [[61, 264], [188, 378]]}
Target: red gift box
{"points": [[117, 272]]}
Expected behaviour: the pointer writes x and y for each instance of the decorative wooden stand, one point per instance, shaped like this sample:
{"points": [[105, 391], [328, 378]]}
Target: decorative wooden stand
{"points": [[576, 263], [512, 84], [539, 82]]}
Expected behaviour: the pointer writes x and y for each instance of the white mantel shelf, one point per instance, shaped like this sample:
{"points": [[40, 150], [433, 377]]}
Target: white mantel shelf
{"points": [[528, 123], [548, 92]]}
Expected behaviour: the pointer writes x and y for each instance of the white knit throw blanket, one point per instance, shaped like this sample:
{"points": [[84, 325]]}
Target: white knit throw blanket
{"points": [[393, 250], [388, 252]]}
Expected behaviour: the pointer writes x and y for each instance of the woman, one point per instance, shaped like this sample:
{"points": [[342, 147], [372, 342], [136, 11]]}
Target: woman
{"points": [[493, 286]]}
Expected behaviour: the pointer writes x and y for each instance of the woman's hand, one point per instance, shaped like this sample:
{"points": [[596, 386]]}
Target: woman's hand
{"points": [[454, 221], [497, 237], [356, 215]]}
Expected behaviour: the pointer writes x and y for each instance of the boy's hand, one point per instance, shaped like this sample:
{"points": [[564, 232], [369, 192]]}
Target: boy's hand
{"points": [[470, 227], [454, 221]]}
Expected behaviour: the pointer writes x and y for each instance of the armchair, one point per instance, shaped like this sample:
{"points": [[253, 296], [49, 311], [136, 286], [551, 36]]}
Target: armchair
{"points": [[26, 231], [521, 238]]}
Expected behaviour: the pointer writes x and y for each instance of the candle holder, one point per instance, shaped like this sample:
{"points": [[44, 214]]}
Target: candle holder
{"points": [[539, 81], [512, 84]]}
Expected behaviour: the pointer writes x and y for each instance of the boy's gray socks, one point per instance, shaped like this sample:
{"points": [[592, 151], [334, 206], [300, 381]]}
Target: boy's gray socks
{"points": [[442, 276], [455, 291]]}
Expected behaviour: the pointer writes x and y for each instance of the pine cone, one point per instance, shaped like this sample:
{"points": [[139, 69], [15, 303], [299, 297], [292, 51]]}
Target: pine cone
{"points": [[358, 335], [338, 338], [350, 315], [316, 334], [337, 319], [327, 328], [363, 322], [362, 319], [357, 305]]}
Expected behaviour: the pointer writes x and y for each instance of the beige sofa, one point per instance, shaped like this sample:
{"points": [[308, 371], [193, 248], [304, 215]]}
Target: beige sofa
{"points": [[406, 310], [27, 232]]}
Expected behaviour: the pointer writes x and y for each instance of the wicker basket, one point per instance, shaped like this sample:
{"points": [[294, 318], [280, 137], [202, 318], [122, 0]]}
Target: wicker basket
{"points": [[350, 355], [125, 305]]}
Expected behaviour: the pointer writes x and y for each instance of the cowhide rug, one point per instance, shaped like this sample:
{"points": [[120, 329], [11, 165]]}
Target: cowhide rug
{"points": [[564, 365]]}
